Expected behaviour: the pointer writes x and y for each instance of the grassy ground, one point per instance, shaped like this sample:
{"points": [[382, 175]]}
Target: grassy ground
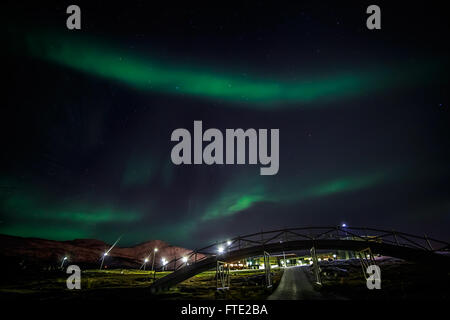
{"points": [[244, 285], [399, 281], [133, 285]]}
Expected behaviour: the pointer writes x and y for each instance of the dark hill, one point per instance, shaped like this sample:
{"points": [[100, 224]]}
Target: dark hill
{"points": [[24, 253]]}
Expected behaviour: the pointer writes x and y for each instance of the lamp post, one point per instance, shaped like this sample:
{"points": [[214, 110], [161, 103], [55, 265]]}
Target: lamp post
{"points": [[103, 259], [153, 263], [106, 252], [154, 256], [63, 260], [144, 264]]}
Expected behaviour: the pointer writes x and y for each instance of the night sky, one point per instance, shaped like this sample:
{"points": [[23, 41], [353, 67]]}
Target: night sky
{"points": [[86, 123]]}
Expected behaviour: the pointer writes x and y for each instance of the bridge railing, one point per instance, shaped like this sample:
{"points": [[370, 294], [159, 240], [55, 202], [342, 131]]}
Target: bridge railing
{"points": [[310, 233]]}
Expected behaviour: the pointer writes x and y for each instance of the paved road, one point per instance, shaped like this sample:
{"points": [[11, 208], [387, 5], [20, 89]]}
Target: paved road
{"points": [[294, 285]]}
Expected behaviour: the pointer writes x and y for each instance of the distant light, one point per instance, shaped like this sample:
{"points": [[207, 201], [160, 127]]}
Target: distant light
{"points": [[344, 225], [105, 254], [228, 243], [310, 262], [146, 260], [220, 249], [164, 262], [319, 259], [287, 261], [156, 249], [334, 256], [184, 259], [65, 258]]}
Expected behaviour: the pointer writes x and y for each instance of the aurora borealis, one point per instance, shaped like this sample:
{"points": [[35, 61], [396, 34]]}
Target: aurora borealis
{"points": [[86, 126], [150, 75]]}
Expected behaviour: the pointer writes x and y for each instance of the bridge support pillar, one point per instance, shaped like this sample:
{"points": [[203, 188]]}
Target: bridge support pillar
{"points": [[366, 259], [222, 276], [268, 274], [316, 265]]}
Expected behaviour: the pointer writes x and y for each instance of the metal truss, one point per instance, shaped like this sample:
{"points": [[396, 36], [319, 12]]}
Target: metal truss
{"points": [[265, 238]]}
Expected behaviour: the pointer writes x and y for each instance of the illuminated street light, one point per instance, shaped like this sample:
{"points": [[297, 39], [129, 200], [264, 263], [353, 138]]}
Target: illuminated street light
{"points": [[103, 259], [154, 256], [106, 252], [344, 225], [63, 260], [164, 262], [334, 256], [144, 264], [184, 259], [228, 243], [220, 249]]}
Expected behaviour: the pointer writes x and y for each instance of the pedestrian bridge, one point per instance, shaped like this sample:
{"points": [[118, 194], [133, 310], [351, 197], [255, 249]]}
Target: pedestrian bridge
{"points": [[419, 249]]}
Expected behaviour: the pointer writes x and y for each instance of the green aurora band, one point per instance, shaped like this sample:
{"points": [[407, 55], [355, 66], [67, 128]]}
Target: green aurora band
{"points": [[34, 214], [153, 75], [242, 195]]}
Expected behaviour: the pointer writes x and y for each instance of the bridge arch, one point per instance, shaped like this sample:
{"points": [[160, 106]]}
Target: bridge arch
{"points": [[420, 249]]}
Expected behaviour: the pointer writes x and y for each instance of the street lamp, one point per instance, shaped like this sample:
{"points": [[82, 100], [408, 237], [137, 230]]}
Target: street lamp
{"points": [[154, 256], [164, 262], [220, 250], [228, 243], [344, 225], [144, 264], [184, 259], [63, 260], [103, 259], [106, 252]]}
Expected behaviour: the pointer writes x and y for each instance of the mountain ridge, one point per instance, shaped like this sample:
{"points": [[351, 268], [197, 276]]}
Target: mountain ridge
{"points": [[23, 253]]}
